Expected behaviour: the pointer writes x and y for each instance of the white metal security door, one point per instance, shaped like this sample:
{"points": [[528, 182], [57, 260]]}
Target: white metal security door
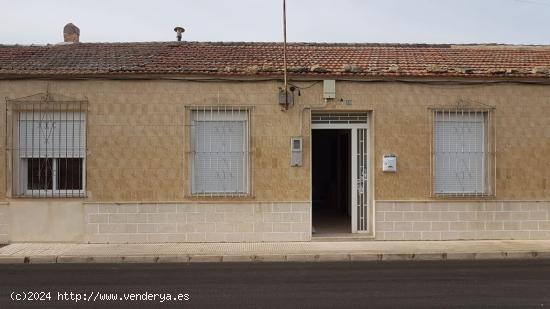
{"points": [[357, 123]]}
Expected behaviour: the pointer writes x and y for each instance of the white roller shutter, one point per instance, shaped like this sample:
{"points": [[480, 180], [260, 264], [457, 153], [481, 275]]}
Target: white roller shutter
{"points": [[52, 134], [220, 145], [460, 153]]}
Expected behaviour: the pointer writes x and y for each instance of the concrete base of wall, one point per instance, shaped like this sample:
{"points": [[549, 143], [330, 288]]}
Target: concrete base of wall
{"points": [[42, 221], [440, 220], [193, 222], [77, 222]]}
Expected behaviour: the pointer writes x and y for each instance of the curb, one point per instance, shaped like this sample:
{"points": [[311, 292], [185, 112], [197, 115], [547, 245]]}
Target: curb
{"points": [[293, 258]]}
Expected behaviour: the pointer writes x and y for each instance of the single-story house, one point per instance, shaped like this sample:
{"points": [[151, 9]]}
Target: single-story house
{"points": [[199, 142]]}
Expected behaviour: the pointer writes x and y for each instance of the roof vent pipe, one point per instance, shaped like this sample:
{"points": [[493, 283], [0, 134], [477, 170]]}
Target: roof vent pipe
{"points": [[71, 33], [179, 31]]}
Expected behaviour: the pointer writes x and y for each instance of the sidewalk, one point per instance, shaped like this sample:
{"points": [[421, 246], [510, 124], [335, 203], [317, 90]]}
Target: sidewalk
{"points": [[275, 252]]}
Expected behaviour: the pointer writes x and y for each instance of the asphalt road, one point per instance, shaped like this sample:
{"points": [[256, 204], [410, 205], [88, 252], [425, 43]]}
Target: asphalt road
{"points": [[497, 284]]}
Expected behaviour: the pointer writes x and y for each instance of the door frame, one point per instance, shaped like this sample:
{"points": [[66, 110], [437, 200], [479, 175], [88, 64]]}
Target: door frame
{"points": [[353, 127]]}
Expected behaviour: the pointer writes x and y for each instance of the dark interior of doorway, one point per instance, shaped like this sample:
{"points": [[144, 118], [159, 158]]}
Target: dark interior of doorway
{"points": [[331, 181]]}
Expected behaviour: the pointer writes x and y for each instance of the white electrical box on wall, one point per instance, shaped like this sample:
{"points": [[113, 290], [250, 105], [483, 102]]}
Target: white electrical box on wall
{"points": [[389, 163], [296, 146], [329, 89]]}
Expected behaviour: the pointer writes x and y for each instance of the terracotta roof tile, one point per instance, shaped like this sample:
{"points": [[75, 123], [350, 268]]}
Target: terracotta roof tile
{"points": [[266, 59]]}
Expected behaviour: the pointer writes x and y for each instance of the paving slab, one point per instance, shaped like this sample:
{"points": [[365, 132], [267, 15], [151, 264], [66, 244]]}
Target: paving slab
{"points": [[173, 259], [302, 258], [429, 256], [490, 255], [270, 258], [238, 258], [205, 258], [12, 260], [365, 257], [460, 256], [521, 255], [337, 257], [42, 259], [397, 257]]}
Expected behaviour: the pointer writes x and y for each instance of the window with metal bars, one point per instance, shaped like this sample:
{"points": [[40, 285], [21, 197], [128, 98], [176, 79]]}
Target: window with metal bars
{"points": [[219, 154], [462, 152], [49, 146]]}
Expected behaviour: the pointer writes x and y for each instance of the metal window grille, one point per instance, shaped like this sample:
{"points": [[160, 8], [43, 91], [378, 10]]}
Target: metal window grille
{"points": [[219, 151], [48, 139], [462, 152], [342, 118]]}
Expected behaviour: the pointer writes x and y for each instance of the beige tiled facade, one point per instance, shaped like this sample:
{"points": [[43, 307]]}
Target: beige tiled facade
{"points": [[136, 141]]}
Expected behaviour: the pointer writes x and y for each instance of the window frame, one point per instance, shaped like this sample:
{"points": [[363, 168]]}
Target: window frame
{"points": [[43, 103], [489, 161], [191, 145]]}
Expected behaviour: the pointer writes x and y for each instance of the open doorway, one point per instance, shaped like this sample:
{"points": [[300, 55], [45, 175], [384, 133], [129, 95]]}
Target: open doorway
{"points": [[331, 181]]}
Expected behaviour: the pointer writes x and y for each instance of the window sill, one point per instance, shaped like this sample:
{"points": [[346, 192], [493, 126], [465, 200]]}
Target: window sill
{"points": [[213, 197], [463, 196], [63, 194]]}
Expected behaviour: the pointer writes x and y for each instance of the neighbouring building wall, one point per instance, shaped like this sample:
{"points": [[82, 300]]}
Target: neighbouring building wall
{"points": [[137, 155], [3, 146], [4, 224]]}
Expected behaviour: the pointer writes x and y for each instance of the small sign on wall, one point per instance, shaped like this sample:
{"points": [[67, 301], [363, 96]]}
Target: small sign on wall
{"points": [[389, 163]]}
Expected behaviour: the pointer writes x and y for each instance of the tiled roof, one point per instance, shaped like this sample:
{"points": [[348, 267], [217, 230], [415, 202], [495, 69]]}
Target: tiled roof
{"points": [[222, 59]]}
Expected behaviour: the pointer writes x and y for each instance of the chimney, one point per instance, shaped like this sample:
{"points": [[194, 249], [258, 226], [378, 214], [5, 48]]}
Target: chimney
{"points": [[71, 33], [179, 31]]}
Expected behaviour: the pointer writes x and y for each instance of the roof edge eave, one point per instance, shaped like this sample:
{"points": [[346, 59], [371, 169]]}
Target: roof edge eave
{"points": [[276, 77]]}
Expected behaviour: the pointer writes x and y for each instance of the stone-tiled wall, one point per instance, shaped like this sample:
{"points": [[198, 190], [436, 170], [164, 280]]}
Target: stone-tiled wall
{"points": [[462, 220], [197, 222], [137, 146], [4, 224]]}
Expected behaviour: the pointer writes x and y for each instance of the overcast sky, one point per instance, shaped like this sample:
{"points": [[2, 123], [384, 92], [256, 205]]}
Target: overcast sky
{"points": [[398, 21]]}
